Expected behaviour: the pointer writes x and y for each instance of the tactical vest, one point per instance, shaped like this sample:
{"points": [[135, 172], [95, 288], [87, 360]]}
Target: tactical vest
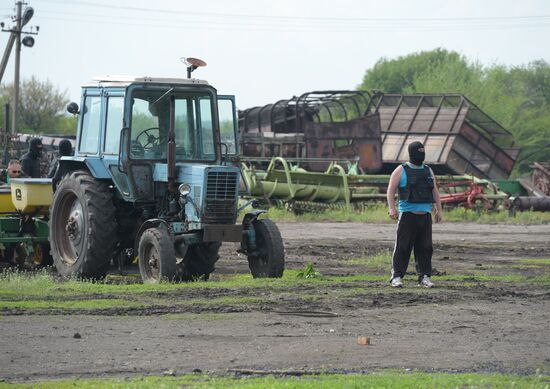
{"points": [[420, 184]]}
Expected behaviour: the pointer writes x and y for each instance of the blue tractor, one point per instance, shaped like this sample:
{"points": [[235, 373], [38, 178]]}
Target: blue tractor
{"points": [[154, 174]]}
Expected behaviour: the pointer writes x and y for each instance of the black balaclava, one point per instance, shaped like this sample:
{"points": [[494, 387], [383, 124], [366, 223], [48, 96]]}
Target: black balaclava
{"points": [[35, 147], [65, 148], [416, 157]]}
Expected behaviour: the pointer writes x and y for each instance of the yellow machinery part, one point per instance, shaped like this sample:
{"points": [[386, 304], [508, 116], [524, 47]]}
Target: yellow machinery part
{"points": [[31, 195], [6, 205]]}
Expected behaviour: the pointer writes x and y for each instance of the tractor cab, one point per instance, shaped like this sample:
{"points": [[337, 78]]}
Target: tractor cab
{"points": [[149, 110]]}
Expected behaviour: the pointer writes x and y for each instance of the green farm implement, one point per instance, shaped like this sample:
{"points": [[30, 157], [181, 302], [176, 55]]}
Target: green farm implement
{"points": [[24, 208]]}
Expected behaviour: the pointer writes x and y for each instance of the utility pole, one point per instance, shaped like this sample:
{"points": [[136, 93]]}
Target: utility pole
{"points": [[19, 5], [21, 19]]}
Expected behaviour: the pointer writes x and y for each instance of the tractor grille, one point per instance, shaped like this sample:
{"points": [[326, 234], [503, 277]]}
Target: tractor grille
{"points": [[221, 196]]}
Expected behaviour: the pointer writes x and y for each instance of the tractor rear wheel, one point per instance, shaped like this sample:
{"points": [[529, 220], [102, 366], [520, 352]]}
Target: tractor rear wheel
{"points": [[83, 228], [199, 261], [157, 257], [268, 260]]}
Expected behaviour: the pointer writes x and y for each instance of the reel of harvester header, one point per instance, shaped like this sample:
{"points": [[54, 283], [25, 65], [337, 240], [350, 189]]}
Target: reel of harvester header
{"points": [[24, 206]]}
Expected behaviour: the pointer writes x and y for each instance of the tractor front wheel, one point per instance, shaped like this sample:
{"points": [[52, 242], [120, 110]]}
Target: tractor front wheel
{"points": [[268, 259], [157, 257]]}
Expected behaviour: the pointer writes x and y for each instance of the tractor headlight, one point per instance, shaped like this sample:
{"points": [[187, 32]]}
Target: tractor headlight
{"points": [[184, 189]]}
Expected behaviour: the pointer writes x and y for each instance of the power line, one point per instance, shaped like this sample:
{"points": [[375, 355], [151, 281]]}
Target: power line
{"points": [[224, 26], [525, 18], [203, 22], [253, 23]]}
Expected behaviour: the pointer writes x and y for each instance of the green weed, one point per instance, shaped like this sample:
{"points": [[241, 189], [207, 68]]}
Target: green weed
{"points": [[308, 271]]}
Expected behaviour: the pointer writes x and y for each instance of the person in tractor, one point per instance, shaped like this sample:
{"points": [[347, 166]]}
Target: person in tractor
{"points": [[417, 189]]}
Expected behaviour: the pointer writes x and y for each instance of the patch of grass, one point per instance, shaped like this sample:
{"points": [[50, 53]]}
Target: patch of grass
{"points": [[375, 213], [468, 215], [511, 278], [91, 304], [381, 261], [536, 261], [41, 291], [378, 213], [382, 379]]}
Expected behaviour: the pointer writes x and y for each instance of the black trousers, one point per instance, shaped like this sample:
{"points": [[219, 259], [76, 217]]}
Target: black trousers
{"points": [[413, 232]]}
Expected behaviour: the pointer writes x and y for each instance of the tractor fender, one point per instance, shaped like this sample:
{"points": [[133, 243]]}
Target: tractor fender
{"points": [[94, 165], [69, 164], [251, 216], [151, 223]]}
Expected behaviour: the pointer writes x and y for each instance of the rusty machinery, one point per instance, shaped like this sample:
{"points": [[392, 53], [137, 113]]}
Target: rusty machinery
{"points": [[374, 129], [314, 129]]}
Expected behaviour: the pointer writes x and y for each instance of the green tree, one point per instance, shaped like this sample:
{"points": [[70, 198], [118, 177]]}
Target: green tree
{"points": [[399, 75], [41, 105]]}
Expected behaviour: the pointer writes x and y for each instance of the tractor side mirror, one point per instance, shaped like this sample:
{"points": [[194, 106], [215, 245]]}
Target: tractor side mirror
{"points": [[72, 108]]}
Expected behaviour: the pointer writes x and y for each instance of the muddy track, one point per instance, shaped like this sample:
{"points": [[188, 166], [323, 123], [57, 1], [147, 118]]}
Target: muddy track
{"points": [[487, 313]]}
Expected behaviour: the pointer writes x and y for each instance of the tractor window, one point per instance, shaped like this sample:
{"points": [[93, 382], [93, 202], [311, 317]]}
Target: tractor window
{"points": [[193, 125], [206, 129], [227, 125], [89, 133], [115, 111], [145, 140]]}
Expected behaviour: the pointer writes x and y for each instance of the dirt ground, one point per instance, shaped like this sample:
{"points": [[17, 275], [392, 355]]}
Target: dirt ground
{"points": [[468, 326]]}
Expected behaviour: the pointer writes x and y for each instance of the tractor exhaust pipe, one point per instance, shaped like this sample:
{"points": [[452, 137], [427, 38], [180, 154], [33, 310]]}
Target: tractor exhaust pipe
{"points": [[171, 151]]}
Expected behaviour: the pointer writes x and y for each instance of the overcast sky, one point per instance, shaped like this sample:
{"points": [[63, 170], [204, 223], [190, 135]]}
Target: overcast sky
{"points": [[263, 51]]}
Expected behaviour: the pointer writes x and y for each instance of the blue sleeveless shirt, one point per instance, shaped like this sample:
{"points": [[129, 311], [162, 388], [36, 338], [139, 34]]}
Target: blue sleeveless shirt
{"points": [[405, 206]]}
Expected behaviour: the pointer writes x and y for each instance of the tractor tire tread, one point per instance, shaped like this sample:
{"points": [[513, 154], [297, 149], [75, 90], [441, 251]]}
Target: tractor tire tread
{"points": [[101, 237], [166, 251], [275, 248]]}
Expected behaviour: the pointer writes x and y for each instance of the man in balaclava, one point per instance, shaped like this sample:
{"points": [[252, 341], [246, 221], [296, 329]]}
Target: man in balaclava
{"points": [[417, 189], [30, 162], [65, 150]]}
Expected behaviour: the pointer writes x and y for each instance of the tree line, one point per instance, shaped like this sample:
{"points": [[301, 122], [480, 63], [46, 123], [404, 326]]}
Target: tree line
{"points": [[42, 108], [517, 97]]}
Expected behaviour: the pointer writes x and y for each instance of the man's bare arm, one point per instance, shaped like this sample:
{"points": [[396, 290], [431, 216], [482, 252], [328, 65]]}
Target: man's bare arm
{"points": [[392, 188], [437, 199]]}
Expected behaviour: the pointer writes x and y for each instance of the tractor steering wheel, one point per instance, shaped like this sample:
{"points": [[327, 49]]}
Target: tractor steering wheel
{"points": [[150, 140]]}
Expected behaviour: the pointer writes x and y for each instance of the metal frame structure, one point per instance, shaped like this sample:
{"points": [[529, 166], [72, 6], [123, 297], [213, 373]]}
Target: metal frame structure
{"points": [[470, 137], [460, 137], [307, 128]]}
